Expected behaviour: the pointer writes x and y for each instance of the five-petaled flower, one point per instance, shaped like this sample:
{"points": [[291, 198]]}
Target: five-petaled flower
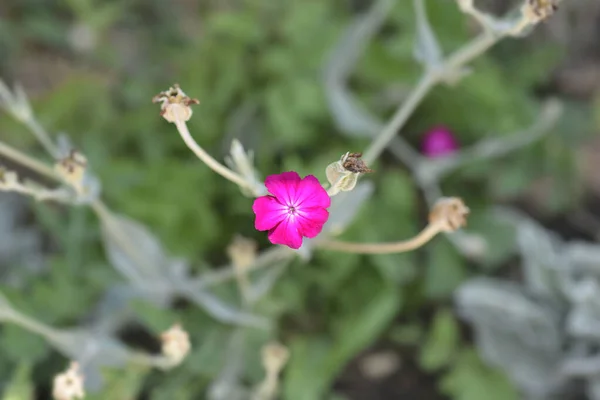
{"points": [[295, 208]]}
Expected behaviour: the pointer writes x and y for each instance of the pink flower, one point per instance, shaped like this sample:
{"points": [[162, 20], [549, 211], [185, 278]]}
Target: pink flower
{"points": [[439, 141], [295, 208]]}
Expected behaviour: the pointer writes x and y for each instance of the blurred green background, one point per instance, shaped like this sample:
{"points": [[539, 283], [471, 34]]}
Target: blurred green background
{"points": [[91, 69]]}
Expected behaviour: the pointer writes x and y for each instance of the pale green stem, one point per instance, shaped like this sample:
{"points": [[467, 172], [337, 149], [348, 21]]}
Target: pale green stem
{"points": [[208, 159], [432, 77], [382, 248], [27, 161], [29, 324]]}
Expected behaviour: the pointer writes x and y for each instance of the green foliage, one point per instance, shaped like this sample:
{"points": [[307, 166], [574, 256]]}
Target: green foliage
{"points": [[316, 360], [442, 342], [470, 379], [265, 59], [21, 386]]}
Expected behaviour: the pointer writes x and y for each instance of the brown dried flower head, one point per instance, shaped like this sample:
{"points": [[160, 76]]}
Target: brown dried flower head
{"points": [[343, 174], [175, 344], [450, 213], [175, 104], [354, 163], [69, 384], [539, 10], [72, 169]]}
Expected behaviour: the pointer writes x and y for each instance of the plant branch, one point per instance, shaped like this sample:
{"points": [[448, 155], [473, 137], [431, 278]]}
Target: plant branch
{"points": [[27, 161], [423, 237], [208, 159], [430, 78]]}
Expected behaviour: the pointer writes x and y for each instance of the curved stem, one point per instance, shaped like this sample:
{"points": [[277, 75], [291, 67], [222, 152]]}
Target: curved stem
{"points": [[27, 161], [383, 248], [400, 117], [456, 60], [207, 158], [30, 324]]}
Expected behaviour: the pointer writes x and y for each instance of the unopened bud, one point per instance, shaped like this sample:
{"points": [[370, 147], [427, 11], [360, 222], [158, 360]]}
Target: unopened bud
{"points": [[69, 384], [175, 104], [242, 252], [343, 174], [274, 358], [72, 169], [450, 213], [175, 344], [8, 179], [539, 10]]}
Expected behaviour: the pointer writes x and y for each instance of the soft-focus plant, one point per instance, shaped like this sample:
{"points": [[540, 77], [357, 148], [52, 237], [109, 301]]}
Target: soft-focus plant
{"points": [[301, 214]]}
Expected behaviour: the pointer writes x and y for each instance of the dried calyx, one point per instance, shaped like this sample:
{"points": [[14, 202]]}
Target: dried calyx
{"points": [[175, 104], [343, 174], [353, 162], [72, 169], [274, 357], [69, 384], [449, 213], [8, 178], [539, 10], [175, 344]]}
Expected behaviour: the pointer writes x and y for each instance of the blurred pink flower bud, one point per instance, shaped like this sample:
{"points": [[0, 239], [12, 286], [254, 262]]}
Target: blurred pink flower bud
{"points": [[439, 141]]}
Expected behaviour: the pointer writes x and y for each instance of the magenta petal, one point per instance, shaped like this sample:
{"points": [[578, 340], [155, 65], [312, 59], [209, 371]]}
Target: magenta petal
{"points": [[283, 186], [311, 221], [269, 212], [439, 141], [310, 193], [286, 233]]}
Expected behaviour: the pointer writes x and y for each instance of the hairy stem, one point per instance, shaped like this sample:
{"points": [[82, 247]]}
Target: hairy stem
{"points": [[430, 78], [208, 159], [27, 161], [383, 248]]}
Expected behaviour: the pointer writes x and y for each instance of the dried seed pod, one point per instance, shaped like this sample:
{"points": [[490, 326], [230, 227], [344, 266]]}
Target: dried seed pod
{"points": [[175, 104]]}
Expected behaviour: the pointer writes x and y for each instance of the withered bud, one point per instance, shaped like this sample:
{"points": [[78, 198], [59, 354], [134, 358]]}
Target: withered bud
{"points": [[539, 10], [175, 344], [274, 357], [343, 174], [175, 104], [450, 213], [72, 169], [354, 163], [242, 252], [69, 384]]}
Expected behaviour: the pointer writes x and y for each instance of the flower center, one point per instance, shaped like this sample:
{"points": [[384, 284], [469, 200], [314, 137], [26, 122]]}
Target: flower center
{"points": [[291, 210]]}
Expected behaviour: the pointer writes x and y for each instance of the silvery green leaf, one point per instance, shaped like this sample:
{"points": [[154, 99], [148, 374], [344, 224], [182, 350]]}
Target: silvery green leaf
{"points": [[261, 286], [427, 49], [85, 345], [349, 115], [133, 249], [540, 254], [593, 388], [219, 309], [345, 206], [514, 332], [227, 385], [583, 257]]}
